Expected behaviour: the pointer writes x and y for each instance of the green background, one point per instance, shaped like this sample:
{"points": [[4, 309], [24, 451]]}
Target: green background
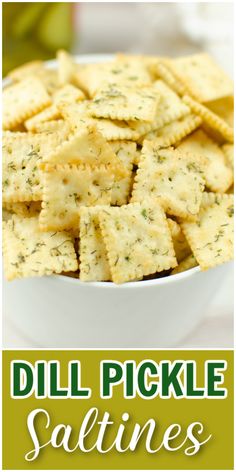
{"points": [[216, 416]]}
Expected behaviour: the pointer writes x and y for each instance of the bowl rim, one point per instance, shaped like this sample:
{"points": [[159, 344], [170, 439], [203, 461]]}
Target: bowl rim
{"points": [[90, 59], [135, 284]]}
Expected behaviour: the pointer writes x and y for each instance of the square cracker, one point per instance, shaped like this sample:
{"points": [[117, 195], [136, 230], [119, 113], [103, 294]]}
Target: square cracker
{"points": [[126, 153], [173, 177], [66, 94], [60, 127], [29, 252], [21, 155], [49, 78], [66, 67], [211, 236], [163, 72], [23, 100], [94, 264], [91, 77], [170, 106], [213, 121], [48, 114], [67, 188], [137, 239], [86, 146], [25, 70], [119, 102], [77, 114], [175, 131], [203, 78], [218, 175]]}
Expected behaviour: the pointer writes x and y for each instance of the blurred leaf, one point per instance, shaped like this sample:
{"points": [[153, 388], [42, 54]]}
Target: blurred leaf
{"points": [[24, 23], [55, 28]]}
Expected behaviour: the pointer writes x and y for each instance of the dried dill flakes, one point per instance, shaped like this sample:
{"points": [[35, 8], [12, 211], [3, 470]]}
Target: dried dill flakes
{"points": [[218, 175], [172, 177], [137, 239], [89, 173], [93, 255], [22, 153], [120, 102], [28, 252], [211, 236]]}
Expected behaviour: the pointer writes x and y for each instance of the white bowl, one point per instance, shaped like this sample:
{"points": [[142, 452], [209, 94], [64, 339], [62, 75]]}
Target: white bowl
{"points": [[59, 311]]}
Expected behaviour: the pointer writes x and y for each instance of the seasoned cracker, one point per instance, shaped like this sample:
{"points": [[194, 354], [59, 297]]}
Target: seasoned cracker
{"points": [[137, 239], [175, 131], [218, 174], [23, 100], [68, 94], [112, 130], [211, 119], [48, 114], [64, 95], [181, 247], [188, 263], [77, 114], [68, 187], [21, 156], [54, 126], [86, 146], [170, 106], [71, 163], [94, 264], [118, 102], [66, 67], [173, 177], [203, 79], [126, 153], [25, 70], [22, 185], [91, 77], [29, 252], [167, 76], [49, 79], [211, 236]]}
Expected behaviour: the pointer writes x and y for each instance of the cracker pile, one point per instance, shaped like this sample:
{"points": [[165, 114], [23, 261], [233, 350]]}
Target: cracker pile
{"points": [[117, 171]]}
